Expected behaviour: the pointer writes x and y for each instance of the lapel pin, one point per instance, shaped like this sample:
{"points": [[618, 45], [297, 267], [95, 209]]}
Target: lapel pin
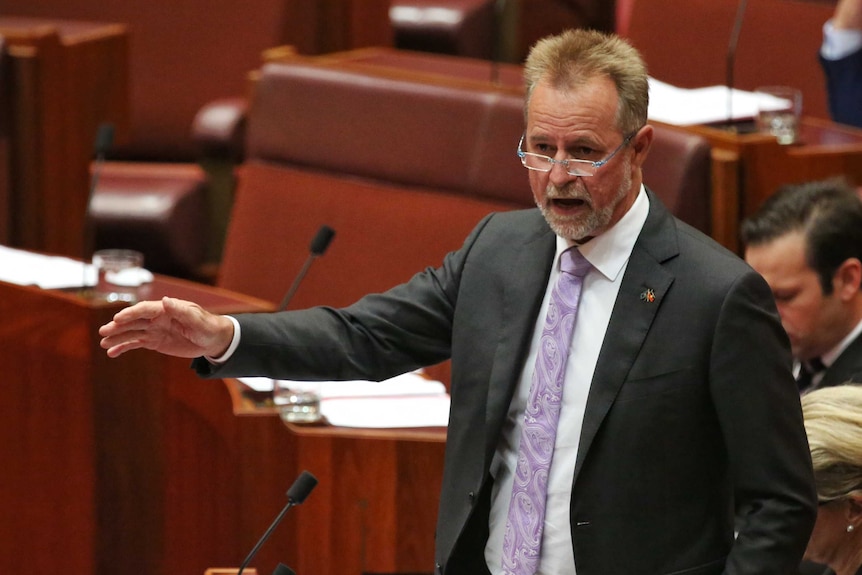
{"points": [[648, 295]]}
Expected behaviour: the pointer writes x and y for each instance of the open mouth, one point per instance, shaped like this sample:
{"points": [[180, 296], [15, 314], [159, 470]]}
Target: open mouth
{"points": [[568, 203]]}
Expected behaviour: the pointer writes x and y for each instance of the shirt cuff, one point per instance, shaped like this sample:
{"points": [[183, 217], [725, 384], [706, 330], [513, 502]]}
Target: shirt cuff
{"points": [[839, 43], [231, 348]]}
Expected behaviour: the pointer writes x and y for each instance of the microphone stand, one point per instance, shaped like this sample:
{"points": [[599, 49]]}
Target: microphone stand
{"points": [[731, 60]]}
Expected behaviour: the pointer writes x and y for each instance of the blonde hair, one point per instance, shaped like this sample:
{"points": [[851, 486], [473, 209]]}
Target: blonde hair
{"points": [[575, 56], [833, 422]]}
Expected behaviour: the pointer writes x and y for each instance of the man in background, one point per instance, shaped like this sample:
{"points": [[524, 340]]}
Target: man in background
{"points": [[806, 241]]}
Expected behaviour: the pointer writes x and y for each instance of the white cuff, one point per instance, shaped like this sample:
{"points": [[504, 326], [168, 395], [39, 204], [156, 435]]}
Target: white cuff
{"points": [[838, 43], [231, 348]]}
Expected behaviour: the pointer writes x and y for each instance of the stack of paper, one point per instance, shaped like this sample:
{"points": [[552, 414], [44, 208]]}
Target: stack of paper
{"points": [[685, 107], [48, 272], [407, 400]]}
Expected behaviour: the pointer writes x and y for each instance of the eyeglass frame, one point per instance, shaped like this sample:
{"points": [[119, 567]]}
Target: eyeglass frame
{"points": [[594, 166]]}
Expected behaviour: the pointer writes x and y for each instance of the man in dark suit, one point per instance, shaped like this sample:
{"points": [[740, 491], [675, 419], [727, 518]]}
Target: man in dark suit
{"points": [[806, 241], [841, 59], [678, 416]]}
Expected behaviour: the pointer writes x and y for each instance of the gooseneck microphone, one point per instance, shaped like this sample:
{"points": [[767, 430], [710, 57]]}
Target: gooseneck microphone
{"points": [[731, 58], [318, 246], [104, 139], [295, 496]]}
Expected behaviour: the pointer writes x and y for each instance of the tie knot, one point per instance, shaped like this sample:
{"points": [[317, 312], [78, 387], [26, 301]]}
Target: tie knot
{"points": [[574, 263]]}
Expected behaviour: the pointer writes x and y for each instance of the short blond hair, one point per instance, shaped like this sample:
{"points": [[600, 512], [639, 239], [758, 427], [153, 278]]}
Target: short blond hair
{"points": [[833, 422], [571, 58]]}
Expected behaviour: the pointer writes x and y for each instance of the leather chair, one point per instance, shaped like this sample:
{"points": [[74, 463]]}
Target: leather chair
{"points": [[460, 27], [491, 29], [155, 208], [679, 170]]}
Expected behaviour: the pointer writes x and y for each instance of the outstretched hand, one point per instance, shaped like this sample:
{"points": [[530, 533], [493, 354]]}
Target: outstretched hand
{"points": [[170, 326]]}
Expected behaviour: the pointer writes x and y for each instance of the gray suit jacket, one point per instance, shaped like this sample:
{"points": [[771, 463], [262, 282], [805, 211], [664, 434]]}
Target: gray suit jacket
{"points": [[692, 411]]}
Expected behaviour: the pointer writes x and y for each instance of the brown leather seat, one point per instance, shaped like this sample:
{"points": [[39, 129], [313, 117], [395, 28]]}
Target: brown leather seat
{"points": [[679, 170], [158, 209]]}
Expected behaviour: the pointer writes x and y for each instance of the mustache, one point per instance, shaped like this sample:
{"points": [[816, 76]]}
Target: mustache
{"points": [[571, 191]]}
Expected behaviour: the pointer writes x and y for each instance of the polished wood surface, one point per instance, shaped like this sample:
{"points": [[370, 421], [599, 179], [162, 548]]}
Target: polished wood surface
{"points": [[64, 79], [131, 465], [136, 465], [375, 507], [748, 167]]}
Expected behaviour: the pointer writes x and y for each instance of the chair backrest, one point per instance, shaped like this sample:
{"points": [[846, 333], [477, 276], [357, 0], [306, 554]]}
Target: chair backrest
{"points": [[679, 170], [401, 170]]}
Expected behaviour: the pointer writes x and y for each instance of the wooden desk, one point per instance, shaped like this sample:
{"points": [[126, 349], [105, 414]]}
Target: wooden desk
{"points": [[375, 508], [749, 167], [65, 78], [135, 465], [130, 465]]}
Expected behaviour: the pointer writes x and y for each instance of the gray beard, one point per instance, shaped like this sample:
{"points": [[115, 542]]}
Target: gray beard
{"points": [[584, 226]]}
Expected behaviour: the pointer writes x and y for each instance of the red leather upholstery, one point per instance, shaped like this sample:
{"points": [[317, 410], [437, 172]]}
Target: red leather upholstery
{"points": [[401, 169], [401, 166], [157, 209], [678, 170], [473, 28], [461, 27]]}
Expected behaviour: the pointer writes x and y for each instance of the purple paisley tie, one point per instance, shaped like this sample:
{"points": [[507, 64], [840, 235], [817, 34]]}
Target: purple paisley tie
{"points": [[523, 538]]}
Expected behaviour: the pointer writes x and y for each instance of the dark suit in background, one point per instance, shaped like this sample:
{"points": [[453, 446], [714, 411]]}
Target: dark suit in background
{"points": [[846, 367], [692, 411], [844, 88]]}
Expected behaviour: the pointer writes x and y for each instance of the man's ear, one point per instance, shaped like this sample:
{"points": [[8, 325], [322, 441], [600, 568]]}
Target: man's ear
{"points": [[641, 143], [847, 279]]}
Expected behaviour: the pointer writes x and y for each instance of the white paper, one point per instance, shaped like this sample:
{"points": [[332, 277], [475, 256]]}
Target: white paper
{"points": [[48, 272], [710, 104], [406, 400], [387, 412]]}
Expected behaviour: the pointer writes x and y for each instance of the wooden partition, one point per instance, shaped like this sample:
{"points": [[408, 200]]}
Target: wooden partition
{"points": [[748, 167], [135, 465], [131, 465], [374, 509], [64, 79]]}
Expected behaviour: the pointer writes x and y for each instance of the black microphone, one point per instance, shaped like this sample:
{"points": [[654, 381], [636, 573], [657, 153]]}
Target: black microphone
{"points": [[731, 58], [283, 569], [295, 496], [318, 246], [104, 139]]}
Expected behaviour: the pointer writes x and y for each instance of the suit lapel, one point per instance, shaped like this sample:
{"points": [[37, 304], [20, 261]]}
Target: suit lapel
{"points": [[644, 285]]}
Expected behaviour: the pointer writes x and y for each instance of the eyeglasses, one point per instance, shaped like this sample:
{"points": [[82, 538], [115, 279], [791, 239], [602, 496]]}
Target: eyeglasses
{"points": [[573, 167]]}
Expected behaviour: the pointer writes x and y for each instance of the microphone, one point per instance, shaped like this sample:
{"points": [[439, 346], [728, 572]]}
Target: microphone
{"points": [[283, 569], [731, 58], [295, 496], [104, 139], [318, 246]]}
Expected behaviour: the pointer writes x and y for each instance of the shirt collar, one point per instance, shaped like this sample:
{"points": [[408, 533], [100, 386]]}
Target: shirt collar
{"points": [[830, 356], [609, 251]]}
